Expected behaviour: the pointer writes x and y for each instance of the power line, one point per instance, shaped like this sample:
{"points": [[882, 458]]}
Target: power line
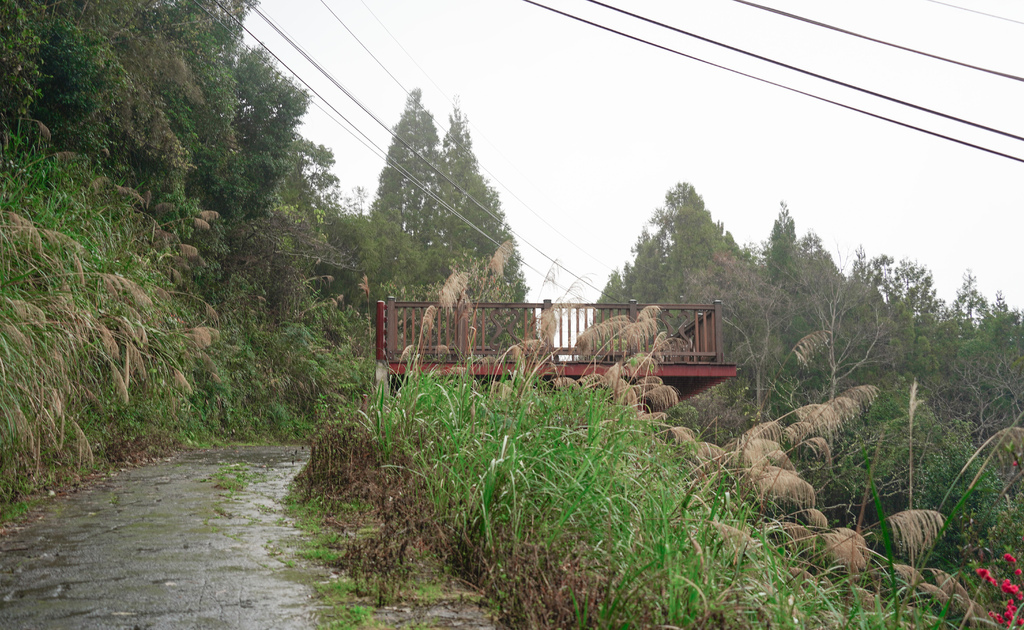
{"points": [[434, 83], [877, 41], [482, 166], [374, 148], [776, 84], [809, 73], [991, 15], [408, 147]]}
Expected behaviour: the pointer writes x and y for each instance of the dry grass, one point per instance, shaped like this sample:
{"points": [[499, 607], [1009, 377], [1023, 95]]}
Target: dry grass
{"points": [[813, 517], [501, 257], [661, 398], [916, 530], [846, 547], [827, 419], [806, 348], [782, 485], [454, 290], [819, 448], [601, 336], [78, 329], [767, 430], [681, 435], [562, 382], [710, 452]]}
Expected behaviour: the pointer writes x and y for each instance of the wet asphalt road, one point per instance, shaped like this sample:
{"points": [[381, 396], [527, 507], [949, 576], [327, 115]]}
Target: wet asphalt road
{"points": [[161, 547]]}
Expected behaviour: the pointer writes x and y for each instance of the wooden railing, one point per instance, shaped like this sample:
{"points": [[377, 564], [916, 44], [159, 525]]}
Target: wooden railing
{"points": [[693, 332]]}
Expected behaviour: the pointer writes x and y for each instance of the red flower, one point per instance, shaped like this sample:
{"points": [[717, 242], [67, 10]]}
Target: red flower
{"points": [[983, 573], [1018, 572], [1009, 558]]}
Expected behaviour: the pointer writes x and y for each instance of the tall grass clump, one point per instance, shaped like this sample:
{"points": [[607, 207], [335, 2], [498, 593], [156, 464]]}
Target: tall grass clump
{"points": [[569, 510]]}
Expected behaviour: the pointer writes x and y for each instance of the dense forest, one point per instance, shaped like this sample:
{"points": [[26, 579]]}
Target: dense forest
{"points": [[179, 266]]}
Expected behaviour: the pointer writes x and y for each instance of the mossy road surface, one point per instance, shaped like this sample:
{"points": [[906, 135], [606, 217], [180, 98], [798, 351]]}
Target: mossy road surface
{"points": [[194, 542]]}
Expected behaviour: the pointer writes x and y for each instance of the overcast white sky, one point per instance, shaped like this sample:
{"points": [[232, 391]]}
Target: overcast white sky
{"points": [[589, 130]]}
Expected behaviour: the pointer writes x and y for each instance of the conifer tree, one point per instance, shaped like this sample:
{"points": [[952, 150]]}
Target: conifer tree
{"points": [[462, 168], [416, 240], [400, 199]]}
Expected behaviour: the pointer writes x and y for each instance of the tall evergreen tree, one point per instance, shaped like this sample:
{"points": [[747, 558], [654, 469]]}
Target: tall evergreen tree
{"points": [[680, 239], [461, 166], [399, 198], [780, 251], [414, 240]]}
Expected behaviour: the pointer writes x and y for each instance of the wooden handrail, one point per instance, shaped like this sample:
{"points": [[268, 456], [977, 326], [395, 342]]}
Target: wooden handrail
{"points": [[490, 329]]}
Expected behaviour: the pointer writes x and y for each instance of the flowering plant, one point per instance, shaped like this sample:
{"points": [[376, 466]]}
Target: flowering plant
{"points": [[1008, 617]]}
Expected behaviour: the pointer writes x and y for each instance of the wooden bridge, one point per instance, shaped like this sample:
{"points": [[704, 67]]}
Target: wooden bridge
{"points": [[689, 355]]}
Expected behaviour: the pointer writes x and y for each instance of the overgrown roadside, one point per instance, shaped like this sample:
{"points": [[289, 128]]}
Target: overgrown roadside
{"points": [[371, 527]]}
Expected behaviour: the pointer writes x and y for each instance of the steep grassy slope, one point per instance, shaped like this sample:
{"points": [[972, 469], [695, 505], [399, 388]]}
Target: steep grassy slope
{"points": [[108, 352]]}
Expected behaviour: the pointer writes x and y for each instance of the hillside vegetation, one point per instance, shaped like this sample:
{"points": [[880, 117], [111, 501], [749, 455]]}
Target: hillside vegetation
{"points": [[160, 231]]}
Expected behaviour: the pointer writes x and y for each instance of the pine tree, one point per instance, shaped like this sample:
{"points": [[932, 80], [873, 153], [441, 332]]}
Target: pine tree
{"points": [[680, 240], [780, 251], [413, 240], [400, 199], [459, 163]]}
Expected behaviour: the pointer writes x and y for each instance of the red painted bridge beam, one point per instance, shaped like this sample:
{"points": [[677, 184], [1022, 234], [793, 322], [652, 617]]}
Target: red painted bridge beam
{"points": [[381, 352]]}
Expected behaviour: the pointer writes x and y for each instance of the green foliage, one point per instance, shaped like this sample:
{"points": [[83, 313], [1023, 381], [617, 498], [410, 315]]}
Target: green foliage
{"points": [[569, 512], [780, 251], [87, 323], [73, 78], [106, 358], [680, 240], [19, 60], [410, 239], [242, 184]]}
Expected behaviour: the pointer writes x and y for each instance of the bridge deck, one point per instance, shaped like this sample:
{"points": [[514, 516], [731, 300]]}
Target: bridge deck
{"points": [[682, 341]]}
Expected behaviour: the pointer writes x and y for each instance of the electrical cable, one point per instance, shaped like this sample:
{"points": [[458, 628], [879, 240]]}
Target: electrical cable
{"points": [[485, 169], [875, 40], [434, 83], [991, 15], [378, 150], [776, 84], [809, 73], [404, 143]]}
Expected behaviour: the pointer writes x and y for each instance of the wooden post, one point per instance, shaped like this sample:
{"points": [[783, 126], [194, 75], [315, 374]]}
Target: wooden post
{"points": [[540, 323], [719, 333], [382, 374], [381, 352], [391, 318], [462, 330], [631, 349]]}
